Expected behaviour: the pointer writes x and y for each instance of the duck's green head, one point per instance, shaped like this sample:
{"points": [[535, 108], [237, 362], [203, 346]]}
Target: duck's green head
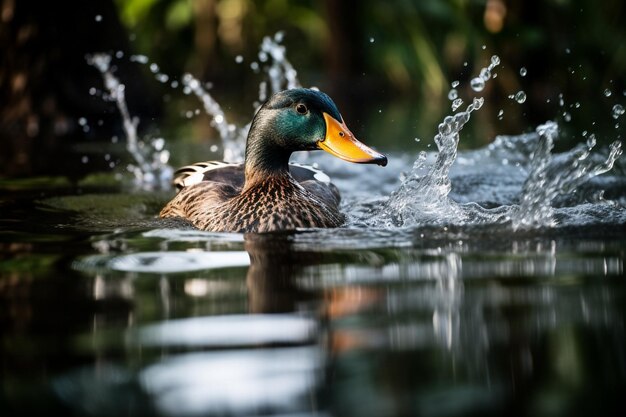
{"points": [[302, 119]]}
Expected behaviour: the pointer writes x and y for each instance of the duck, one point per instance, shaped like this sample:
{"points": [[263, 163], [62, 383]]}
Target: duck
{"points": [[266, 192]]}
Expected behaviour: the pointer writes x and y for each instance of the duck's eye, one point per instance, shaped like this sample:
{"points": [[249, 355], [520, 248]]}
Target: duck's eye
{"points": [[301, 108]]}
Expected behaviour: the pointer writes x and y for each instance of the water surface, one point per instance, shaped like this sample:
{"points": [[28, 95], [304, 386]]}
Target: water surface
{"points": [[108, 311], [486, 282]]}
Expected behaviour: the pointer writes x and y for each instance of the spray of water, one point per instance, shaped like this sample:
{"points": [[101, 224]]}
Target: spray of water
{"points": [[151, 158], [423, 196], [150, 169], [548, 179], [229, 134], [280, 75]]}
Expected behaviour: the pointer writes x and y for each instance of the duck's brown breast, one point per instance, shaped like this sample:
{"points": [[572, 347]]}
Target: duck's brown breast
{"points": [[272, 204]]}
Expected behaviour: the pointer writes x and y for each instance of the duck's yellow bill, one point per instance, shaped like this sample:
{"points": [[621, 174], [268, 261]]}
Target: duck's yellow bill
{"points": [[339, 141]]}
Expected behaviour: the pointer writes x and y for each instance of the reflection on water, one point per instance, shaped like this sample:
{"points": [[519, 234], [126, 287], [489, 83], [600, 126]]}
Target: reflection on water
{"points": [[188, 323]]}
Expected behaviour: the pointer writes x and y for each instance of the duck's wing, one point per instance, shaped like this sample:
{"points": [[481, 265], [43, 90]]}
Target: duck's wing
{"points": [[216, 171], [316, 182], [312, 179]]}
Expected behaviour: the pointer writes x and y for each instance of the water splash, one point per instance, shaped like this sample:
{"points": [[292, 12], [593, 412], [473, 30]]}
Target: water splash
{"points": [[280, 75], [151, 169], [424, 198], [229, 134], [549, 178], [478, 83], [151, 157]]}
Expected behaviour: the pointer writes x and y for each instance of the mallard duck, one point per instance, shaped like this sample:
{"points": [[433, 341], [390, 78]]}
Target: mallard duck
{"points": [[266, 192]]}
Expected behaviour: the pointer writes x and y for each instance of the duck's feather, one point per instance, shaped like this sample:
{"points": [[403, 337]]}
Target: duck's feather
{"points": [[306, 198], [233, 174], [312, 179]]}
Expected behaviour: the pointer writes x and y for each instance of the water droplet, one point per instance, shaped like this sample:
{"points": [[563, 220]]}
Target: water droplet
{"points": [[567, 117], [82, 121], [456, 104], [520, 96], [92, 91], [141, 59], [607, 93], [455, 84], [189, 114], [495, 60], [163, 78], [174, 84], [523, 71], [254, 66], [371, 40], [591, 141], [577, 105], [119, 54], [485, 74], [219, 118], [239, 59], [213, 148], [380, 110], [477, 103], [500, 114], [484, 47], [584, 133], [568, 51], [453, 94], [84, 159], [477, 84], [465, 64], [617, 111], [418, 140], [98, 18], [561, 101], [154, 68]]}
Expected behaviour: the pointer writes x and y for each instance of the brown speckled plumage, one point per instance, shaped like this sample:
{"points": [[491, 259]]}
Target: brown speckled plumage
{"points": [[276, 203]]}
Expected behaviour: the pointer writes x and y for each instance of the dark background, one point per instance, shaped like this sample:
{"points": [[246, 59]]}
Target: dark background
{"points": [[388, 65]]}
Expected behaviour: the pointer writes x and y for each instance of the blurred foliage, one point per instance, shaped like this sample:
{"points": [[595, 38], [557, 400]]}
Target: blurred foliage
{"points": [[404, 54], [388, 65]]}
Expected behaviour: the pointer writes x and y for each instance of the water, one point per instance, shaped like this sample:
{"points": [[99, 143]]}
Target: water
{"points": [[484, 282], [151, 168]]}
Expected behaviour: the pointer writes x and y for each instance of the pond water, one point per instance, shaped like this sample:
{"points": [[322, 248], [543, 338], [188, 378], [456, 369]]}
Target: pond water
{"points": [[485, 282]]}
